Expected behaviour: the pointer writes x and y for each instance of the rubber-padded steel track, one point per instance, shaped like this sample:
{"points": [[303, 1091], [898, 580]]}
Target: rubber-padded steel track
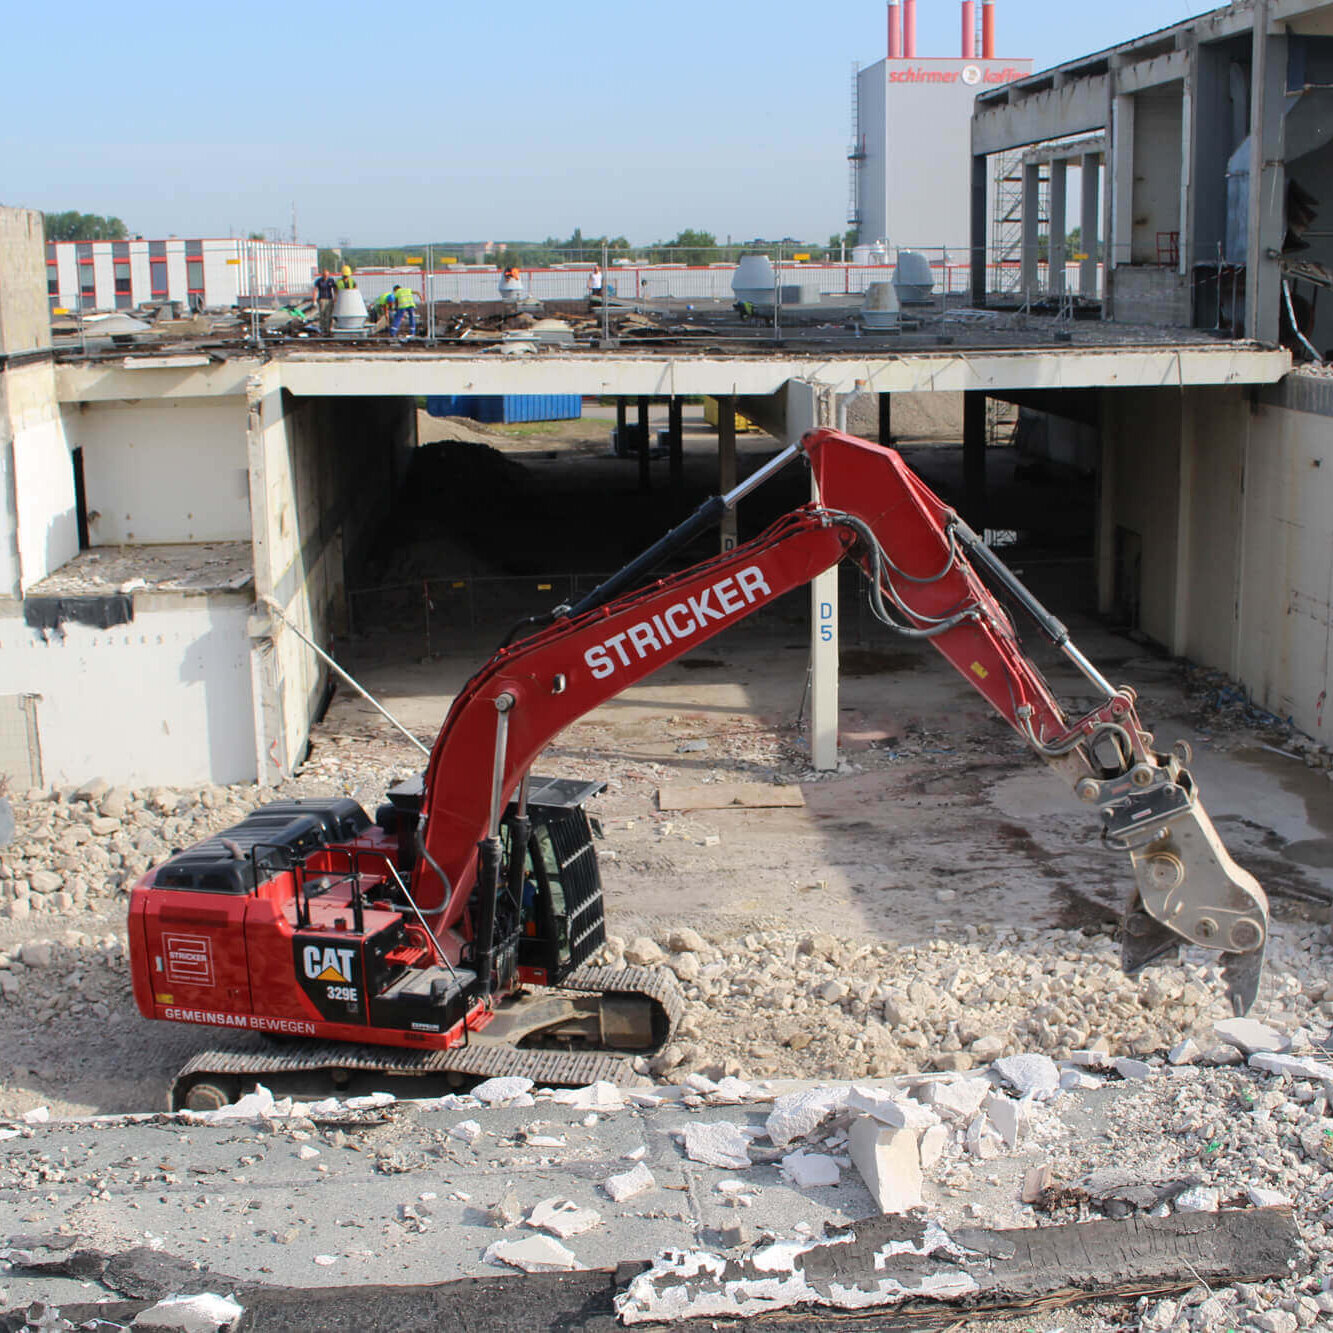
{"points": [[478, 1059]]}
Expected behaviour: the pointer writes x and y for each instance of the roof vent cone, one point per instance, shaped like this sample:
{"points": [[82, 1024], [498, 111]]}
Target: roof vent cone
{"points": [[881, 310], [867, 256], [912, 278], [754, 280], [349, 311], [511, 288]]}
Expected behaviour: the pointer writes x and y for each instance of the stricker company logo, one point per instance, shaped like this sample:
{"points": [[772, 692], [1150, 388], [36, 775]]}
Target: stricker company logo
{"points": [[720, 601], [188, 959], [327, 964]]}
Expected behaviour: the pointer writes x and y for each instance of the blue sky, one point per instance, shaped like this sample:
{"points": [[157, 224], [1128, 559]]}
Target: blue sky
{"points": [[469, 121]]}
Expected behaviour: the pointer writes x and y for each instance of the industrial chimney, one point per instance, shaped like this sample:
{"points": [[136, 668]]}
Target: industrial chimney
{"points": [[909, 29], [895, 31], [969, 29], [988, 29]]}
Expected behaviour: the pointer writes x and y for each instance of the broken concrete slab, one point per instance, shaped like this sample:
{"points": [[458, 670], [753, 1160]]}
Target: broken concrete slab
{"points": [[889, 1161], [800, 1113], [957, 1100], [204, 1313], [535, 1254], [717, 1143], [1033, 1073], [810, 1170], [563, 1218], [629, 1184], [1249, 1036]]}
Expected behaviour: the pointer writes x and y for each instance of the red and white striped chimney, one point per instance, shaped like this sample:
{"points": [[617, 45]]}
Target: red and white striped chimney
{"points": [[895, 31], [988, 29], [969, 29], [909, 29]]}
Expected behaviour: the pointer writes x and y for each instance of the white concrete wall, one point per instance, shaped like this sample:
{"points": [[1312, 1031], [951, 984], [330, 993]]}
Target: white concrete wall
{"points": [[164, 470], [38, 528], [164, 699], [1285, 614]]}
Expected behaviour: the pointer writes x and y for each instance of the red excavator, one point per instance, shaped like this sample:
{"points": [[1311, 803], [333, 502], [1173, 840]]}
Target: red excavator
{"points": [[451, 935]]}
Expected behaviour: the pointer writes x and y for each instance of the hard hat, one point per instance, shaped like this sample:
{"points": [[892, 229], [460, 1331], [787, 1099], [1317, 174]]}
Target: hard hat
{"points": [[347, 268]]}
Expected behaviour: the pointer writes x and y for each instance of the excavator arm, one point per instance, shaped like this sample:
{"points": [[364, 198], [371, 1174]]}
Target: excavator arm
{"points": [[922, 565]]}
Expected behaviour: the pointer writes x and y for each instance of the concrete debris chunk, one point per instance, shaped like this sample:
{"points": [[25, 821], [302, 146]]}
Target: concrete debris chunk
{"points": [[685, 940], [508, 1211], [1249, 1036], [988, 1047], [467, 1130], [628, 1184], [601, 1096], [1036, 1181], [39, 1115], [933, 1143], [797, 1114], [507, 1091], [1132, 1071], [1294, 1066], [535, 1254], [981, 1139], [1198, 1199], [1076, 1080], [731, 1091], [204, 1313], [1184, 1053], [643, 952], [889, 1162], [810, 1170], [1032, 1073], [893, 1110], [306, 1153], [717, 1143], [36, 953], [1262, 1198], [1009, 1117], [563, 1218], [957, 1099]]}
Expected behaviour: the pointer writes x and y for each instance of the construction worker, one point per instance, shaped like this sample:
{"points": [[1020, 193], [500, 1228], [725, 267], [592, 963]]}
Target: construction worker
{"points": [[382, 308], [405, 303], [346, 281], [326, 290]]}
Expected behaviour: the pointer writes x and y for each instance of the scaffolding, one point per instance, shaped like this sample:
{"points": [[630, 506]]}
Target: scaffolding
{"points": [[1006, 243], [856, 154]]}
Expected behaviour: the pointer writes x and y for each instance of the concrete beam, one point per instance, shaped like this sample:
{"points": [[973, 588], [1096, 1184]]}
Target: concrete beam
{"points": [[1031, 224], [1077, 107], [726, 464], [116, 381], [1090, 224], [1134, 78], [943, 370], [1268, 182]]}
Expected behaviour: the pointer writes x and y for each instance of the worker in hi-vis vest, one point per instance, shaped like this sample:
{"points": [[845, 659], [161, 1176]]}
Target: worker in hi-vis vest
{"points": [[405, 303]]}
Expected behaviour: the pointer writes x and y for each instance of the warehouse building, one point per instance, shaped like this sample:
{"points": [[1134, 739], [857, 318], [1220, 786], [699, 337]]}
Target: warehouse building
{"points": [[198, 273]]}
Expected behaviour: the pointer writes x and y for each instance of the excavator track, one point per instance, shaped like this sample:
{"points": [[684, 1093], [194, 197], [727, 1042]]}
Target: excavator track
{"points": [[214, 1077]]}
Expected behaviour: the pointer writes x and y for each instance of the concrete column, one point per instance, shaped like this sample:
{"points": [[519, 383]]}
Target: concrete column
{"points": [[644, 436], [676, 443], [1268, 182], [1031, 225], [979, 223], [622, 428], [726, 462], [1055, 266], [1104, 537], [1180, 590], [1120, 187], [807, 407], [974, 459], [885, 419], [1090, 224]]}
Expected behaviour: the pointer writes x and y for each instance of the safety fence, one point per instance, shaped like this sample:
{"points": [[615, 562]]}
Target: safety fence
{"points": [[951, 276]]}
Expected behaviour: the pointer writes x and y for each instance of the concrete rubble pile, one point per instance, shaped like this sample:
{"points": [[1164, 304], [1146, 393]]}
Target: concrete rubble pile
{"points": [[725, 1175]]}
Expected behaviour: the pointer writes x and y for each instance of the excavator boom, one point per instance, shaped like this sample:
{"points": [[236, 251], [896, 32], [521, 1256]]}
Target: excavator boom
{"points": [[923, 565]]}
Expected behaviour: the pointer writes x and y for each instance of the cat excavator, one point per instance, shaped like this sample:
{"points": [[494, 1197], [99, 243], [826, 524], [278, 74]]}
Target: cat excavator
{"points": [[452, 934]]}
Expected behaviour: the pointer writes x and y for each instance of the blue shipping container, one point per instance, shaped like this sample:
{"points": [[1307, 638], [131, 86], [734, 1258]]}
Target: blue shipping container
{"points": [[508, 408]]}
